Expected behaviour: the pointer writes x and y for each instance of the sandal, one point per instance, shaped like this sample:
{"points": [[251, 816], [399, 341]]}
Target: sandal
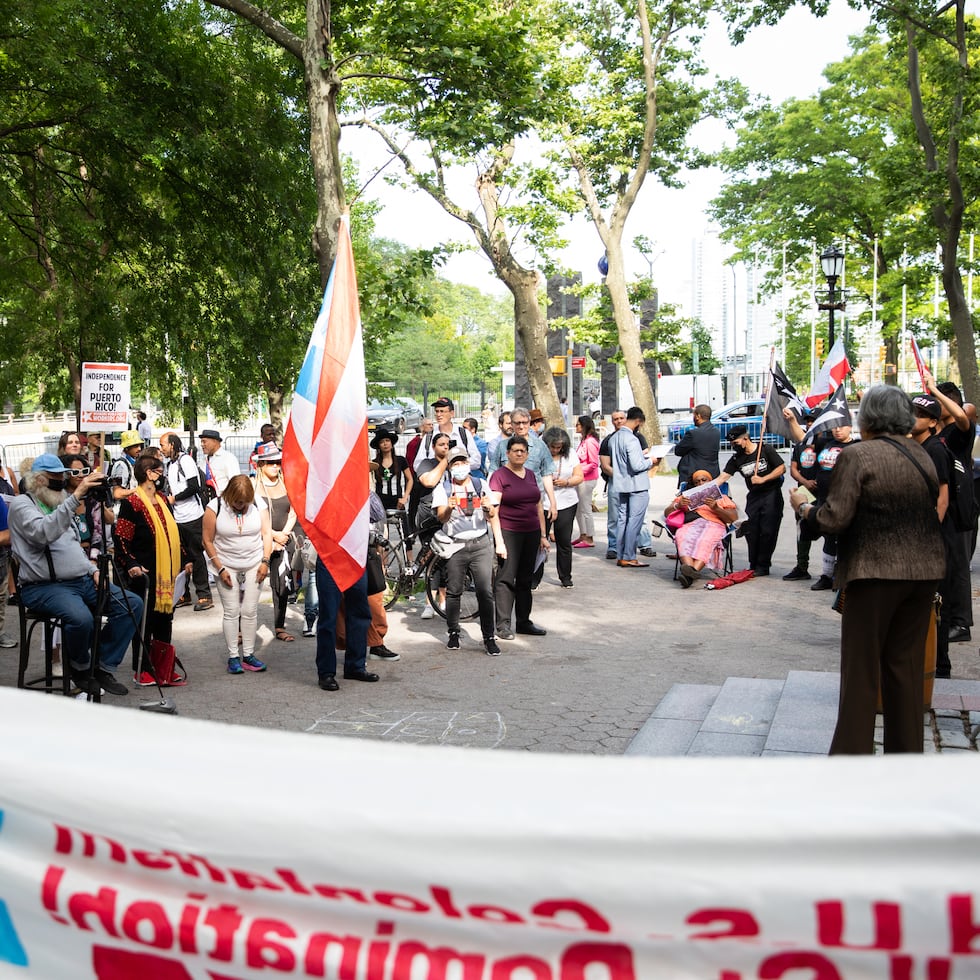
{"points": [[284, 636]]}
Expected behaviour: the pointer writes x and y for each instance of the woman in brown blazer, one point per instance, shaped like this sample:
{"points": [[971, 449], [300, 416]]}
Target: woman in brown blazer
{"points": [[882, 506]]}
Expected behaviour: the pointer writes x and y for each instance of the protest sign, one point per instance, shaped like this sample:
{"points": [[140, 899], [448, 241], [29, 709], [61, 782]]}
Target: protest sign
{"points": [[105, 397]]}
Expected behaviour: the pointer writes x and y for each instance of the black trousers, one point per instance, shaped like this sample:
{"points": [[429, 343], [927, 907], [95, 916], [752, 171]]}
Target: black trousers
{"points": [[513, 589], [193, 545], [882, 639], [764, 511]]}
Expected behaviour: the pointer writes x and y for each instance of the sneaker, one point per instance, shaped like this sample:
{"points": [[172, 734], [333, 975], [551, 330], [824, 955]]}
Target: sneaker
{"points": [[611, 555], [109, 683], [383, 653], [235, 666], [648, 553], [252, 663], [7, 642], [453, 642], [567, 585], [491, 647], [309, 631], [144, 680], [797, 575], [505, 633], [822, 584], [202, 604], [428, 612]]}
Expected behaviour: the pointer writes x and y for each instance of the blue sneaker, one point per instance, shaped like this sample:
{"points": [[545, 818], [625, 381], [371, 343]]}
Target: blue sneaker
{"points": [[252, 663], [235, 666]]}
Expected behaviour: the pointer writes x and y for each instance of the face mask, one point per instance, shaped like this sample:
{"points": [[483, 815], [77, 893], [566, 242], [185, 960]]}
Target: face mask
{"points": [[158, 483], [55, 484], [460, 472]]}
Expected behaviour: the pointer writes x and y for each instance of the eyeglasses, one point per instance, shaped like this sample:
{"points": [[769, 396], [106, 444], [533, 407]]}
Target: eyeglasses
{"points": [[271, 462], [154, 469], [516, 422], [84, 471]]}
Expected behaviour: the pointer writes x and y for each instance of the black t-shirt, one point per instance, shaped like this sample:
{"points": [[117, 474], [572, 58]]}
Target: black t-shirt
{"points": [[960, 443], [805, 457], [828, 449], [744, 463], [940, 457]]}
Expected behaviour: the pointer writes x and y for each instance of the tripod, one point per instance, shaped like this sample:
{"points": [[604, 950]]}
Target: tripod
{"points": [[166, 704]]}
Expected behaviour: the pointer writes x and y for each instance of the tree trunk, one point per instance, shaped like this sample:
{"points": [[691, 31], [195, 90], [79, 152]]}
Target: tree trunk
{"points": [[628, 330], [276, 398], [532, 327], [321, 99]]}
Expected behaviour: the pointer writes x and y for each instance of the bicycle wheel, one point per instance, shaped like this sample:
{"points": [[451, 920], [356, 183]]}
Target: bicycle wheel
{"points": [[391, 561], [469, 607]]}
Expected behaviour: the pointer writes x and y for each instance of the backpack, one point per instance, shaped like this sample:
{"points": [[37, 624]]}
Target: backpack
{"points": [[205, 493], [962, 503]]}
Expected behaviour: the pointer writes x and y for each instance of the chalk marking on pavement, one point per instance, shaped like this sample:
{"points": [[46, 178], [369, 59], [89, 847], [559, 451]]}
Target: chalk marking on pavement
{"points": [[476, 728]]}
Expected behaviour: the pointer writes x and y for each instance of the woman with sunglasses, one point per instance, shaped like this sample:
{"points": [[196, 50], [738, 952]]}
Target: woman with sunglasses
{"points": [[148, 554], [522, 526], [271, 488], [91, 517]]}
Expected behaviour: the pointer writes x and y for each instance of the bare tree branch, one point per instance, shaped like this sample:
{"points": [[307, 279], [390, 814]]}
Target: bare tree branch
{"points": [[266, 23]]}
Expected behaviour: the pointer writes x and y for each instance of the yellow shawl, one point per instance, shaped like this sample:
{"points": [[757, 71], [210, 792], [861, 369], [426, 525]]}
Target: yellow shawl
{"points": [[167, 543]]}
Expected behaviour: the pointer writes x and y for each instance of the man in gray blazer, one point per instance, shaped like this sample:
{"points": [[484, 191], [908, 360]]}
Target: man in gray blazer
{"points": [[631, 478]]}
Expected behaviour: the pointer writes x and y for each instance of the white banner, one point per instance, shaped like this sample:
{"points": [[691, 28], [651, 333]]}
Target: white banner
{"points": [[105, 397], [143, 846]]}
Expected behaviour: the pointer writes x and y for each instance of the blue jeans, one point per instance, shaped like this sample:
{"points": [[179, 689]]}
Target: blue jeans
{"points": [[74, 602], [644, 539], [311, 599], [357, 619], [629, 522]]}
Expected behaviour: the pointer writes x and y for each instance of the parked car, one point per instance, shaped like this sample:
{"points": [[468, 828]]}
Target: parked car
{"points": [[397, 415], [748, 413]]}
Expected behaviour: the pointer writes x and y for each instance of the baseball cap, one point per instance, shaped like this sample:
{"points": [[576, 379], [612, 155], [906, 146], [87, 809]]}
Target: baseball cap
{"points": [[444, 403], [927, 406], [458, 454], [736, 432], [47, 463]]}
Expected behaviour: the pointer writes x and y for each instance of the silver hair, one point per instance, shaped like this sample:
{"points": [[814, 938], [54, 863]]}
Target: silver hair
{"points": [[886, 409], [519, 412]]}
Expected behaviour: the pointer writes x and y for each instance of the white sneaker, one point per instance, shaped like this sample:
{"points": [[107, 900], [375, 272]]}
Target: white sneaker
{"points": [[428, 612], [7, 642]]}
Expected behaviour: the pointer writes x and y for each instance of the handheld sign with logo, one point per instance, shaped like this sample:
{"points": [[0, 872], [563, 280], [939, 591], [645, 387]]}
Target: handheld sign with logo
{"points": [[105, 397]]}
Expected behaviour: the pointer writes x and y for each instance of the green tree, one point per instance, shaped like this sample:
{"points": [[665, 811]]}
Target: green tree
{"points": [[929, 153]]}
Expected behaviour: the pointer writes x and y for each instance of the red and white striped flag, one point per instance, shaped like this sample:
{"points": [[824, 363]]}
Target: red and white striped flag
{"points": [[919, 363], [325, 449], [835, 369]]}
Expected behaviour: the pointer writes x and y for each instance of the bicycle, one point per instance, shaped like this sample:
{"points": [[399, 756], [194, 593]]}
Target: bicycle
{"points": [[402, 576]]}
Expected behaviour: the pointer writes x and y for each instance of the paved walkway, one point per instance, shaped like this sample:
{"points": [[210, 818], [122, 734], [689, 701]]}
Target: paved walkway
{"points": [[617, 645]]}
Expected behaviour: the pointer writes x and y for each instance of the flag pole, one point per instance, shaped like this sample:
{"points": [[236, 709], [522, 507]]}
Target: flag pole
{"points": [[765, 410]]}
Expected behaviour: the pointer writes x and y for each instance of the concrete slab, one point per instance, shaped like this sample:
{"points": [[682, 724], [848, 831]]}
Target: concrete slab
{"points": [[664, 737], [726, 744], [744, 706], [806, 714], [690, 702]]}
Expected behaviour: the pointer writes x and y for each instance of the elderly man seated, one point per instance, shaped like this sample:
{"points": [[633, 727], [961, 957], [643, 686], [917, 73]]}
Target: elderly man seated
{"points": [[700, 530], [57, 578]]}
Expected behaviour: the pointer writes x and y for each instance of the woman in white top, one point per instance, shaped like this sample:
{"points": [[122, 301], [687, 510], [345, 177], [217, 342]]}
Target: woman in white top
{"points": [[238, 542], [567, 477]]}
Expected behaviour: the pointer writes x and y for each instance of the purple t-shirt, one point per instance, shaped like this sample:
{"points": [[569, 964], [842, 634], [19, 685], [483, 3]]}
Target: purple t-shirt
{"points": [[519, 500]]}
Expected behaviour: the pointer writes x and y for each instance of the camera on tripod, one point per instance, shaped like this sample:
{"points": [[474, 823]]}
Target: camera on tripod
{"points": [[102, 491]]}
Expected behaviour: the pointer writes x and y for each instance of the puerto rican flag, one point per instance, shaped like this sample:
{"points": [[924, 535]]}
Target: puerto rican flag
{"points": [[325, 449], [835, 369]]}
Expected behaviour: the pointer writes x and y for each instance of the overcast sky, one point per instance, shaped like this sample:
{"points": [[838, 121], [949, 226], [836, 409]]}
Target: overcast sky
{"points": [[779, 62]]}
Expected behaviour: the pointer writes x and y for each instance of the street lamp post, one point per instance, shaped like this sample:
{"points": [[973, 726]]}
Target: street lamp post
{"points": [[832, 263]]}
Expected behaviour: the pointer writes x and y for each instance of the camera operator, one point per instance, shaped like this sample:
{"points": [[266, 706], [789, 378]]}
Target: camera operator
{"points": [[58, 579]]}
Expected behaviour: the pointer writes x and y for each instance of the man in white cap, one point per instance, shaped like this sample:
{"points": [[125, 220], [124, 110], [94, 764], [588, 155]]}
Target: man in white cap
{"points": [[219, 464], [57, 578]]}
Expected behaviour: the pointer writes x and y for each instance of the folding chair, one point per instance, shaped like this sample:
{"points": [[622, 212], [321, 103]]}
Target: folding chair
{"points": [[728, 565], [29, 621]]}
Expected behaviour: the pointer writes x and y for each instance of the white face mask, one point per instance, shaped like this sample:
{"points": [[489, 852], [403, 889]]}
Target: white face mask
{"points": [[460, 472]]}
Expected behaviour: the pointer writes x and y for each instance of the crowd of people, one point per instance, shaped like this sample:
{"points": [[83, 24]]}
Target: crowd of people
{"points": [[506, 509]]}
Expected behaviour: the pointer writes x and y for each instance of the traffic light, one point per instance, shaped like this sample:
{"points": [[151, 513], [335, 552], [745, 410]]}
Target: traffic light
{"points": [[819, 346], [882, 353]]}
